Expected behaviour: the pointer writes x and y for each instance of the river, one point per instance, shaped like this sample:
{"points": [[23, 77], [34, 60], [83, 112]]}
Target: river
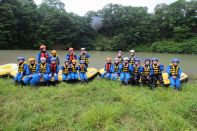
{"points": [[188, 62]]}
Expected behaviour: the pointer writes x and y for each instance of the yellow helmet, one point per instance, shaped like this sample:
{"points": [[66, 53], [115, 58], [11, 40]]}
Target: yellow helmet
{"points": [[32, 59], [53, 52], [74, 61]]}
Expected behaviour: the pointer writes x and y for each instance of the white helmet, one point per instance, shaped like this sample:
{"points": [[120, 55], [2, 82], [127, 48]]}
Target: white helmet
{"points": [[126, 58], [43, 58], [132, 51], [120, 52], [83, 48]]}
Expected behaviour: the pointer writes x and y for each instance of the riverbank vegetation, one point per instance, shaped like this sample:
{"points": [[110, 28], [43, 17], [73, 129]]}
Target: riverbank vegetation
{"points": [[100, 105], [24, 25]]}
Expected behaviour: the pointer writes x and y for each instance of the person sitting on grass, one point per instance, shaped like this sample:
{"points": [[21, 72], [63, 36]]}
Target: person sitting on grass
{"points": [[23, 70], [32, 72], [126, 71], [174, 73], [82, 72], [42, 70], [117, 66], [147, 77], [74, 75], [108, 70], [54, 69], [137, 72], [157, 72], [66, 71]]}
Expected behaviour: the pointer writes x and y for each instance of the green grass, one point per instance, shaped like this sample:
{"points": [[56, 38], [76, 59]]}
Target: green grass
{"points": [[100, 105]]}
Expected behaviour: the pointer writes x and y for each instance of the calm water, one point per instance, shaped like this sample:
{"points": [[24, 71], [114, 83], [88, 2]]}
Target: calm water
{"points": [[188, 62]]}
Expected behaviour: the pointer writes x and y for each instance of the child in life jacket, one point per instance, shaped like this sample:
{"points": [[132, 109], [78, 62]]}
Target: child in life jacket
{"points": [[71, 55], [43, 53], [174, 72], [54, 69], [108, 70], [82, 72], [66, 71]]}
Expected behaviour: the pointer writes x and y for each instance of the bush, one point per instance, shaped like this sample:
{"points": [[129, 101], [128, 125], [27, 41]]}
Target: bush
{"points": [[169, 46]]}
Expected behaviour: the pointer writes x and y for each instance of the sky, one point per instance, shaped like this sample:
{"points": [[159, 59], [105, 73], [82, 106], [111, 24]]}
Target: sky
{"points": [[80, 7]]}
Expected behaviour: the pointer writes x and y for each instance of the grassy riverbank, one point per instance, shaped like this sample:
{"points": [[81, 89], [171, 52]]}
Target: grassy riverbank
{"points": [[100, 105]]}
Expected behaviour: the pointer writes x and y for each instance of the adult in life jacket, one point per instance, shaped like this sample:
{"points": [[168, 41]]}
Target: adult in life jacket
{"points": [[108, 69], [74, 68], [23, 70], [137, 72], [32, 72], [54, 69], [71, 56], [54, 55], [126, 71], [82, 72], [84, 57], [174, 73], [42, 70], [132, 57], [117, 66], [157, 71], [66, 71], [43, 53], [119, 56], [147, 75]]}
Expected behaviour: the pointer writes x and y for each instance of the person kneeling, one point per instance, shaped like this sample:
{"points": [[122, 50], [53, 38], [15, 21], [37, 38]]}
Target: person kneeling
{"points": [[82, 72], [23, 70], [174, 73], [147, 77], [157, 72], [42, 70], [74, 69], [117, 66], [137, 72], [32, 72], [54, 69], [66, 71], [126, 69], [109, 69]]}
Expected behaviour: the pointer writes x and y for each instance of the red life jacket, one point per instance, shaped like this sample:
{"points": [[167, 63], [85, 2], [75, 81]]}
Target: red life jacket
{"points": [[53, 68], [71, 57], [107, 67], [44, 54]]}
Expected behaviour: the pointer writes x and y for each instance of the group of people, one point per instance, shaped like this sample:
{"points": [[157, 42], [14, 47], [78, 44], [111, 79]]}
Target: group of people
{"points": [[46, 66], [129, 70], [132, 71]]}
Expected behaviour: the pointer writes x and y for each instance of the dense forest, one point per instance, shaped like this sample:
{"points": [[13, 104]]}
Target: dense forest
{"points": [[171, 28]]}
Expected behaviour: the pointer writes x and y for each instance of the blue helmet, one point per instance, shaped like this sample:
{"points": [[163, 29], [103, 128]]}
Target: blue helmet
{"points": [[155, 59], [53, 59], [66, 61], [175, 60], [147, 59], [20, 58], [137, 59]]}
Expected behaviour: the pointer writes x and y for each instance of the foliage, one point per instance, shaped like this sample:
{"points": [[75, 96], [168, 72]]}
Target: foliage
{"points": [[25, 25], [187, 46], [100, 105]]}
